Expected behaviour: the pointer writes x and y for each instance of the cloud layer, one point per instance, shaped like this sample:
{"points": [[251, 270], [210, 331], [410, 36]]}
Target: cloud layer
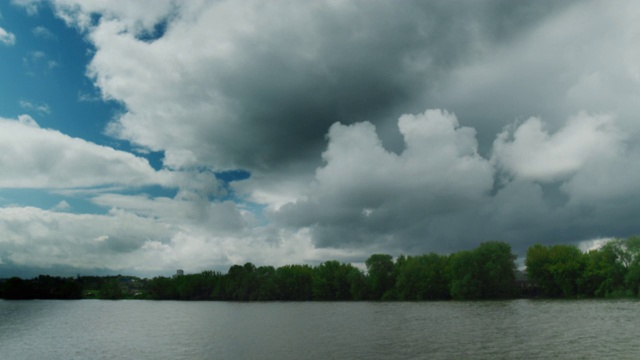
{"points": [[366, 126]]}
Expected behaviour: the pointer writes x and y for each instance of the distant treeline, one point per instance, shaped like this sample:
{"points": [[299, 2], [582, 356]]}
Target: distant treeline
{"points": [[564, 271], [487, 272]]}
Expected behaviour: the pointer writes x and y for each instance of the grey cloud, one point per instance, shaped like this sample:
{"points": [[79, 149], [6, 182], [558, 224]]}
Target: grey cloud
{"points": [[440, 196], [575, 59], [366, 194], [219, 217], [261, 93]]}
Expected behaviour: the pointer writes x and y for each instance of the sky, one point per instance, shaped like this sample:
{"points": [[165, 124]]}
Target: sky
{"points": [[146, 136]]}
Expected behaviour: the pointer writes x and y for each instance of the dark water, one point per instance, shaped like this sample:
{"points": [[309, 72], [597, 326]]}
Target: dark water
{"points": [[520, 329]]}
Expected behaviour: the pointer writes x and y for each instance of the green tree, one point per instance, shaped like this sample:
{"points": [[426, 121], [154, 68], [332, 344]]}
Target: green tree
{"points": [[16, 288], [604, 272], [294, 282], [267, 286], [424, 277], [566, 268], [197, 286], [629, 255], [359, 287], [488, 272], [497, 270], [111, 289], [162, 288], [241, 283], [465, 277], [380, 273], [331, 282], [556, 270]]}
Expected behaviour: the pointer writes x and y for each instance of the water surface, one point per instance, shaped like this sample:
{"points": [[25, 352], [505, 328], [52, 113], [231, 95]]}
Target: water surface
{"points": [[519, 329]]}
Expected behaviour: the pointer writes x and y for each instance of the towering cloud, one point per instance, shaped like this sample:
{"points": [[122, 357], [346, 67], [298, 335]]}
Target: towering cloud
{"points": [[367, 195]]}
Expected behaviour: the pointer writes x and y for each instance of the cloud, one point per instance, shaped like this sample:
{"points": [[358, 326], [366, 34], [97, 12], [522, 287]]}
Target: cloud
{"points": [[577, 59], [323, 104], [27, 121], [246, 88], [33, 157], [7, 38], [535, 154], [258, 86], [61, 206], [38, 62], [41, 108], [43, 239], [44, 33], [219, 216], [138, 15], [122, 242], [365, 194], [439, 194], [30, 6]]}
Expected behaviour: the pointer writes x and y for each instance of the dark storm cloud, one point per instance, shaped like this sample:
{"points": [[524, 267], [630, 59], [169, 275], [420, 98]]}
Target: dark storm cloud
{"points": [[299, 69], [366, 61]]}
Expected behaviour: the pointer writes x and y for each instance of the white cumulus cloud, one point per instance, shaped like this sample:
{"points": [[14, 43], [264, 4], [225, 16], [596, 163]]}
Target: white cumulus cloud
{"points": [[33, 157], [531, 152], [365, 194], [43, 239]]}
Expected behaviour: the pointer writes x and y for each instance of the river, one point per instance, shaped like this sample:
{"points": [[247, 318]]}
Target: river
{"points": [[130, 329]]}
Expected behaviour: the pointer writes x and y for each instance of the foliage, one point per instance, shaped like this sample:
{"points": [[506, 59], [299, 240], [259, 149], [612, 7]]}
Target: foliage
{"points": [[294, 282], [381, 275], [424, 277], [555, 269], [603, 273], [564, 271], [42, 287], [111, 290], [486, 272], [331, 282]]}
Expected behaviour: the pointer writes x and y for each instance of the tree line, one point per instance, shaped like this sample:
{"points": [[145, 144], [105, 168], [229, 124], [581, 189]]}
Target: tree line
{"points": [[486, 272], [564, 271]]}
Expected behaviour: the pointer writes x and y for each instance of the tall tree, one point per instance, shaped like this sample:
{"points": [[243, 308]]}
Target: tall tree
{"points": [[380, 274], [497, 270], [603, 273], [556, 270], [424, 277], [631, 257], [488, 272], [465, 277], [294, 282], [331, 282]]}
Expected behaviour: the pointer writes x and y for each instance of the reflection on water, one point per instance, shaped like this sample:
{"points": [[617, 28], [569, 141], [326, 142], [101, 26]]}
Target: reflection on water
{"points": [[519, 329]]}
